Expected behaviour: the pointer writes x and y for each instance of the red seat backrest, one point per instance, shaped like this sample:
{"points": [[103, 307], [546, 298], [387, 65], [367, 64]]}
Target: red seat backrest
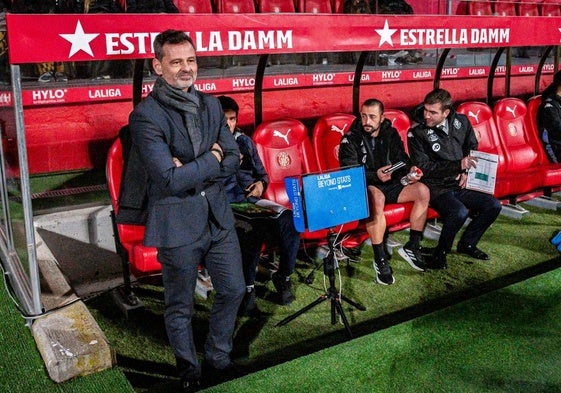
{"points": [[142, 259], [401, 122], [193, 6], [114, 172], [528, 8], [326, 137], [314, 6], [481, 118], [505, 7], [551, 8], [480, 7], [532, 126], [531, 115], [236, 6], [337, 6], [285, 149], [276, 6], [509, 114]]}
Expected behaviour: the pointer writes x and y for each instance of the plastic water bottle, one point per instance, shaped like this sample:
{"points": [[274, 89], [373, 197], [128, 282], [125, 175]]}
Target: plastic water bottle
{"points": [[414, 174]]}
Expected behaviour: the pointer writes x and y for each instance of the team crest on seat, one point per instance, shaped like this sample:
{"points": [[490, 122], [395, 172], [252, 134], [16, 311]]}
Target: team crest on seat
{"points": [[283, 159]]}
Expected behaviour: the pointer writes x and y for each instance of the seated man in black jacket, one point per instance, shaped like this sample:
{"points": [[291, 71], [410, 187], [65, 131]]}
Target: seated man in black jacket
{"points": [[549, 119], [440, 144], [374, 143]]}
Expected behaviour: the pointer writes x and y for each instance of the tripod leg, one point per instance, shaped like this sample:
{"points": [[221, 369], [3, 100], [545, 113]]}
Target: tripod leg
{"points": [[353, 303], [302, 310], [310, 277], [341, 312], [333, 310]]}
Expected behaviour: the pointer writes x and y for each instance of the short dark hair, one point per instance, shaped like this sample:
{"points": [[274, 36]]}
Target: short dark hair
{"points": [[374, 102], [229, 104], [439, 96], [172, 37]]}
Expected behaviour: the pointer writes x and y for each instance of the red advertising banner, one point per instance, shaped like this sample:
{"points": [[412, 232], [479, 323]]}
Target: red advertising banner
{"points": [[123, 91], [78, 37]]}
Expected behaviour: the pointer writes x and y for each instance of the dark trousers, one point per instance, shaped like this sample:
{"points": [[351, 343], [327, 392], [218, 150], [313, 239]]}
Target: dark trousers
{"points": [[281, 231], [220, 252], [455, 207]]}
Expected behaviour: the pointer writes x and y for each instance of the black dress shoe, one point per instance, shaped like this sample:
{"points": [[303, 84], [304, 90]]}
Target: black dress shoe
{"points": [[473, 252], [437, 260], [189, 385], [213, 376]]}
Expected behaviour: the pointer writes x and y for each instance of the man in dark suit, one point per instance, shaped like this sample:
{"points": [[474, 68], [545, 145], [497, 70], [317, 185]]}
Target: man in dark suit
{"points": [[189, 219]]}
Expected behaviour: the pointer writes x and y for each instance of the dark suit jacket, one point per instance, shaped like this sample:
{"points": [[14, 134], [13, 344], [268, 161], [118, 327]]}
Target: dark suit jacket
{"points": [[182, 200]]}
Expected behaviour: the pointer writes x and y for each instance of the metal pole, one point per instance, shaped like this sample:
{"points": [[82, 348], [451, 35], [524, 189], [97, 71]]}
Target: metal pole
{"points": [[36, 307]]}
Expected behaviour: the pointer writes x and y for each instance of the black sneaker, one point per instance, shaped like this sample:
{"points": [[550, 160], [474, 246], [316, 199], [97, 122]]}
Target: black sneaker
{"points": [[384, 272], [284, 289], [248, 308], [412, 254]]}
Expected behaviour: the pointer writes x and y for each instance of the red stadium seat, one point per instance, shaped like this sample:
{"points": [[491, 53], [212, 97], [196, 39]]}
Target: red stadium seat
{"points": [[135, 258], [236, 6], [480, 7], [193, 6], [533, 106], [314, 6], [522, 157], [551, 8], [285, 149], [276, 6], [505, 8], [528, 8], [481, 118], [326, 137], [400, 121]]}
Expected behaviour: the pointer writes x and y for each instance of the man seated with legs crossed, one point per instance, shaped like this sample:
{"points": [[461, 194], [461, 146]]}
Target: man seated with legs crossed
{"points": [[374, 143]]}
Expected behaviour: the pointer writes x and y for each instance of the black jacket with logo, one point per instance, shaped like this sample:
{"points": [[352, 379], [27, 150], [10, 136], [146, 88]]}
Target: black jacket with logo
{"points": [[549, 126], [438, 154], [356, 148]]}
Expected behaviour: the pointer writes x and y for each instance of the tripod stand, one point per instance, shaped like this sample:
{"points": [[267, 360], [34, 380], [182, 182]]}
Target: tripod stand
{"points": [[331, 294]]}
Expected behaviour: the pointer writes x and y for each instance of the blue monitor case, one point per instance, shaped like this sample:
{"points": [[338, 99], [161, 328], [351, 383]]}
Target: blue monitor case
{"points": [[327, 199]]}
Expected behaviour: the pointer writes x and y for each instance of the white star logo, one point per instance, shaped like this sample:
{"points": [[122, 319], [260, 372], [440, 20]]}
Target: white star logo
{"points": [[385, 34], [79, 40]]}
